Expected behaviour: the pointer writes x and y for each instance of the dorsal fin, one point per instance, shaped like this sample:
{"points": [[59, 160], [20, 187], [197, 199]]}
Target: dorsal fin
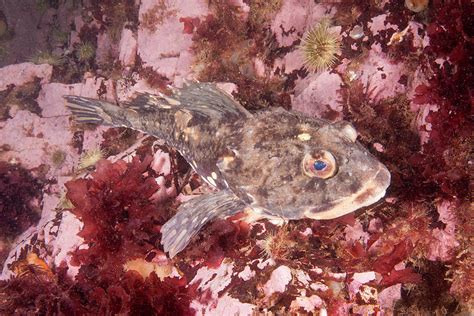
{"points": [[205, 99]]}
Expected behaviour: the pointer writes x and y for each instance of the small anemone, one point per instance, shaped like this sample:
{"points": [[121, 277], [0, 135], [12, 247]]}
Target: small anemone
{"points": [[277, 245], [320, 46], [85, 51], [90, 158], [58, 157], [44, 57]]}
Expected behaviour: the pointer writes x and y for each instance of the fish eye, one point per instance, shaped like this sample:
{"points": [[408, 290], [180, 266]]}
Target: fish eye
{"points": [[321, 164]]}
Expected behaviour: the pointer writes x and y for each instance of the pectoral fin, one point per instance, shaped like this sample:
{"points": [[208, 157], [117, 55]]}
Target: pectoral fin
{"points": [[193, 215]]}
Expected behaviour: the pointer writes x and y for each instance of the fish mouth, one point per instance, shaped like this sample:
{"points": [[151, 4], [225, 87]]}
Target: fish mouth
{"points": [[372, 191]]}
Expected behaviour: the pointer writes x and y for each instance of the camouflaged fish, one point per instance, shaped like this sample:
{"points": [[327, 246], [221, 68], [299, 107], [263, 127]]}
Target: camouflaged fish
{"points": [[273, 164]]}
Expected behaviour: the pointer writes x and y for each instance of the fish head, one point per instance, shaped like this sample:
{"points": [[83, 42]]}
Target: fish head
{"points": [[295, 167]]}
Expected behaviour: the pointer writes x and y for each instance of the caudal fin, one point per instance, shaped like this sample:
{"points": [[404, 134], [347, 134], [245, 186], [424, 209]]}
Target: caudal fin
{"points": [[86, 110]]}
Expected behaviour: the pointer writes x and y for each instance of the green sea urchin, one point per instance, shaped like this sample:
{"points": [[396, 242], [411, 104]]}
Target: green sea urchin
{"points": [[319, 47], [90, 158], [85, 52], [44, 57]]}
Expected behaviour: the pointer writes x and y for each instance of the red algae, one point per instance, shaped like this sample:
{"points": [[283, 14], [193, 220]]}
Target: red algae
{"points": [[232, 62], [20, 196], [120, 223]]}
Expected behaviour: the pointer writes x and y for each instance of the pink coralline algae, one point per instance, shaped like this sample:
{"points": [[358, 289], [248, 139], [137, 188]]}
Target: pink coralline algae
{"points": [[20, 74]]}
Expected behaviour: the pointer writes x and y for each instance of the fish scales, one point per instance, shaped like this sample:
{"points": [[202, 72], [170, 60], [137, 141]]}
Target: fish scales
{"points": [[274, 164]]}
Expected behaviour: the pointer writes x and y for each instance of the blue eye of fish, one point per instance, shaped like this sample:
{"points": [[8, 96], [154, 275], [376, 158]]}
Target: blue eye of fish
{"points": [[319, 165]]}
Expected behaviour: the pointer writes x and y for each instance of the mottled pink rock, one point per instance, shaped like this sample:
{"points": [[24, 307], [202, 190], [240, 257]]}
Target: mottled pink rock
{"points": [[378, 23], [298, 16], [167, 49], [56, 232], [290, 62], [51, 95], [53, 239], [317, 93], [420, 38], [375, 225], [127, 90], [211, 283], [422, 110], [302, 277], [74, 37], [162, 165], [161, 162], [356, 233], [106, 50], [278, 281], [364, 277], [444, 241], [227, 305], [19, 74], [388, 297], [421, 121], [246, 274], [32, 141], [309, 304], [318, 286], [382, 75], [228, 87], [259, 67], [379, 147], [292, 15], [127, 47]]}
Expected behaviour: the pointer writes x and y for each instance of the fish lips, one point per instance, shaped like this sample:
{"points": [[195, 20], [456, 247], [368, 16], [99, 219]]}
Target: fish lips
{"points": [[372, 191]]}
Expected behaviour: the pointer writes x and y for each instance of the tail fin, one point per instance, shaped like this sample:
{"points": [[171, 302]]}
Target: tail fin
{"points": [[88, 110]]}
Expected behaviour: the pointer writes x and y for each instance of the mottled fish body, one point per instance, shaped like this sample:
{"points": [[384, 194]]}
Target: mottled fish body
{"points": [[273, 164]]}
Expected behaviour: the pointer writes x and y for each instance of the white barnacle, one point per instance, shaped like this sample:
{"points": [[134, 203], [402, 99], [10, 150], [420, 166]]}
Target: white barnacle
{"points": [[214, 175], [304, 137]]}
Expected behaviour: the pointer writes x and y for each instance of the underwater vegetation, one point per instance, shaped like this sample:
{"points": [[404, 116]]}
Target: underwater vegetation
{"points": [[235, 61], [120, 223], [20, 193]]}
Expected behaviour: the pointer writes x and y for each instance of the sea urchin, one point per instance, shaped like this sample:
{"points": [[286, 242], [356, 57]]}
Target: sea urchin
{"points": [[319, 47], [277, 245], [90, 158]]}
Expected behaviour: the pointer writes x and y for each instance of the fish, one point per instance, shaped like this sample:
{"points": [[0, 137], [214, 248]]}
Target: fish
{"points": [[272, 164]]}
